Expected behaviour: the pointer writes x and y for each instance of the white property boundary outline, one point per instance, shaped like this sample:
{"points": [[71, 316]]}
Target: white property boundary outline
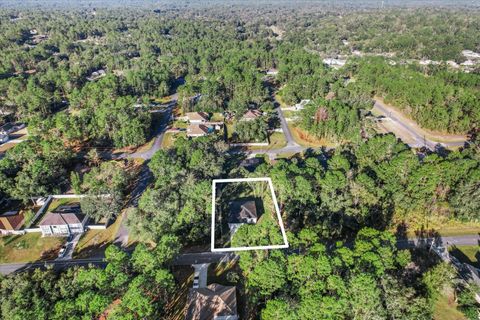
{"points": [[277, 209]]}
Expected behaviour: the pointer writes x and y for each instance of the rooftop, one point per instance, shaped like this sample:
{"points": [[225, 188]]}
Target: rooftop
{"points": [[242, 210], [210, 302], [197, 116]]}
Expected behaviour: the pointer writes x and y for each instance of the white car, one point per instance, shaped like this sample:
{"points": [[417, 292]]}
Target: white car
{"points": [[62, 251]]}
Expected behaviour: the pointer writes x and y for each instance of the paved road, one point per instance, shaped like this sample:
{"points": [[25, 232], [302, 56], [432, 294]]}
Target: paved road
{"points": [[145, 175], [286, 130], [418, 136], [144, 178], [187, 259], [56, 264], [216, 257], [445, 241], [159, 134]]}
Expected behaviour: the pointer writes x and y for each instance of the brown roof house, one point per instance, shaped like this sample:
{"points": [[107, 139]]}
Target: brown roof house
{"points": [[197, 117], [215, 302], [66, 220], [198, 130], [11, 221], [252, 114], [241, 212]]}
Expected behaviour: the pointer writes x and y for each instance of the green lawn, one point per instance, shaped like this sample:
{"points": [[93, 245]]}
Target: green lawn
{"points": [[29, 248], [467, 254], [180, 124], [170, 137], [216, 117], [291, 114]]}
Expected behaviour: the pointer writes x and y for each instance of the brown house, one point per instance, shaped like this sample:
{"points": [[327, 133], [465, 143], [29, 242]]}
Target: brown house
{"points": [[215, 302], [11, 221]]}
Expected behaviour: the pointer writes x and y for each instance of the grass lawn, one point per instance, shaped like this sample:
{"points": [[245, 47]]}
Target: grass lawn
{"points": [[279, 99], [170, 137], [147, 146], [29, 248], [180, 124], [466, 254], [216, 117], [446, 309], [277, 141], [291, 114], [94, 242], [418, 220], [230, 129], [306, 140]]}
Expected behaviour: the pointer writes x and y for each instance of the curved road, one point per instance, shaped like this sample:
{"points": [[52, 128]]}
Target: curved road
{"points": [[420, 140]]}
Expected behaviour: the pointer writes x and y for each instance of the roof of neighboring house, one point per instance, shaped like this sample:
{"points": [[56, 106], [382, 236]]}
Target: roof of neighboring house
{"points": [[197, 130], [60, 219], [252, 114], [330, 95], [210, 302], [197, 116], [11, 220], [240, 210], [6, 127]]}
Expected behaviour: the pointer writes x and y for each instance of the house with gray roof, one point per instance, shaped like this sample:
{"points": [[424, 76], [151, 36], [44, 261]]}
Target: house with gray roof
{"points": [[64, 221], [240, 212]]}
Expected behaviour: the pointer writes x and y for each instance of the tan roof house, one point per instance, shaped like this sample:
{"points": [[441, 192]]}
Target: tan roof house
{"points": [[197, 117], [215, 302], [198, 130], [252, 114]]}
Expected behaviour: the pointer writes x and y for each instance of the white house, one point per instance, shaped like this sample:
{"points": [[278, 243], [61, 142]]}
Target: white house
{"points": [[469, 54], [302, 104], [334, 63], [66, 220]]}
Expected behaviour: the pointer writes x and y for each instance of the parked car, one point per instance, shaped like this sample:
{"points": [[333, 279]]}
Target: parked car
{"points": [[62, 251]]}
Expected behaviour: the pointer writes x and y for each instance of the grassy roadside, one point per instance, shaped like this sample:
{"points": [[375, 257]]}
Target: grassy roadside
{"points": [[467, 254], [446, 309], [306, 140], [93, 242]]}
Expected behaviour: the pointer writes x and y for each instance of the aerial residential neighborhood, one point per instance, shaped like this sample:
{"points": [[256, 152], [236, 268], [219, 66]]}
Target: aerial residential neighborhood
{"points": [[230, 160]]}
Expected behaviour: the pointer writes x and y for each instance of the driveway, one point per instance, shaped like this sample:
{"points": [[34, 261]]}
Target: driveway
{"points": [[286, 130], [159, 134], [70, 247], [201, 273]]}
